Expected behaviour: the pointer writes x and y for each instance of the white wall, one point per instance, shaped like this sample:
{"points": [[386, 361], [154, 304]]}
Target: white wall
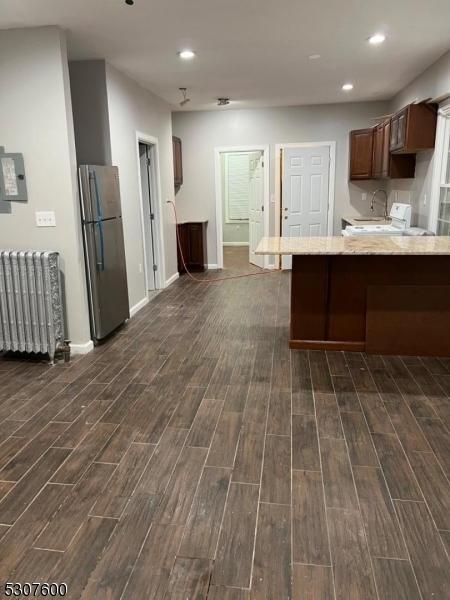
{"points": [[433, 83], [90, 112], [202, 131], [36, 119], [133, 109]]}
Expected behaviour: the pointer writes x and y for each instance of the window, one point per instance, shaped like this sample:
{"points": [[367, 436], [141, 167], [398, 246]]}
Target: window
{"points": [[441, 217], [237, 186]]}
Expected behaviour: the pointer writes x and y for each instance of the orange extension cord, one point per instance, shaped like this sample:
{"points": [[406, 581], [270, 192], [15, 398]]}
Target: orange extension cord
{"points": [[205, 280]]}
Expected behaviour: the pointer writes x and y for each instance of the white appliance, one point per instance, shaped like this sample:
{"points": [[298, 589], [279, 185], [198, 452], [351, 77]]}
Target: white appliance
{"points": [[400, 221]]}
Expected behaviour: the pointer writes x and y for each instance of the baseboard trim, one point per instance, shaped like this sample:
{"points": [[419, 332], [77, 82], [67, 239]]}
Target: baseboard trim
{"points": [[327, 345], [172, 279], [137, 307], [82, 348], [235, 244], [213, 266]]}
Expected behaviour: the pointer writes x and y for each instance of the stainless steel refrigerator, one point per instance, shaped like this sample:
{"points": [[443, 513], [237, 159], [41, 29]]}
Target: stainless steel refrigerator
{"points": [[104, 249]]}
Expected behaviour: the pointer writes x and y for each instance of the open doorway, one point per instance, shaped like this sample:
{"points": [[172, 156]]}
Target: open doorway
{"points": [[241, 210], [151, 216]]}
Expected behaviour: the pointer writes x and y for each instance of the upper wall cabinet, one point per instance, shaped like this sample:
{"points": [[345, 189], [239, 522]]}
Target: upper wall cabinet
{"points": [[177, 163], [361, 153], [386, 165], [387, 151], [413, 128]]}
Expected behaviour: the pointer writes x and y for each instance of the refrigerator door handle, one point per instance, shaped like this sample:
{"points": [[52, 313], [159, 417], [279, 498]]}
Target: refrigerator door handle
{"points": [[101, 264], [97, 197]]}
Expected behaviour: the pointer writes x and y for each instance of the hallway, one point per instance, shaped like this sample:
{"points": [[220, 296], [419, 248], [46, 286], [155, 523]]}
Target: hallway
{"points": [[195, 456]]}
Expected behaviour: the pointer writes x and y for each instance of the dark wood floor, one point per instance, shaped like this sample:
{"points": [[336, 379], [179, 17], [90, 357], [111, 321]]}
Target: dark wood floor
{"points": [[194, 456]]}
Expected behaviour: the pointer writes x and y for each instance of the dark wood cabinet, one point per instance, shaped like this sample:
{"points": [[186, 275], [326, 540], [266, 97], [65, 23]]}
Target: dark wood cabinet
{"points": [[387, 151], [386, 157], [371, 158], [192, 237], [378, 151], [177, 162], [361, 153], [385, 164], [413, 128]]}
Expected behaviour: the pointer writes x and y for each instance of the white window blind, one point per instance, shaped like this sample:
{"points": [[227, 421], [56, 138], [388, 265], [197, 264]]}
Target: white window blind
{"points": [[237, 186]]}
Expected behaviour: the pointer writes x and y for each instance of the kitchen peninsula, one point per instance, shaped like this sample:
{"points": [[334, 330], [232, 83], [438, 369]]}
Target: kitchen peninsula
{"points": [[379, 294]]}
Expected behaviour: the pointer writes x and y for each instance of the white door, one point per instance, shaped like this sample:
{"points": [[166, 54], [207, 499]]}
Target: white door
{"points": [[256, 207], [145, 157], [304, 207]]}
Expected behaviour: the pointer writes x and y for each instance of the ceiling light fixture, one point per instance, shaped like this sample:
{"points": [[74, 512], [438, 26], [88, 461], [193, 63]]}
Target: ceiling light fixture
{"points": [[223, 101], [314, 56], [347, 87], [129, 2], [186, 54], [377, 38], [185, 100]]}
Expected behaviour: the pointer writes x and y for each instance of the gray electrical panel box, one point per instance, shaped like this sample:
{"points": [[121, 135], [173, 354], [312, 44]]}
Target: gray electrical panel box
{"points": [[13, 185]]}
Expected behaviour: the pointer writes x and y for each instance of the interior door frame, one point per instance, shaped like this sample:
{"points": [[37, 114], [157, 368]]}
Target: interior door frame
{"points": [[331, 184], [219, 197], [155, 181]]}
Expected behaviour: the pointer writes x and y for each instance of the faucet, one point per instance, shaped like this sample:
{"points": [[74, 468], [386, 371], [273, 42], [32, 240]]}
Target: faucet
{"points": [[386, 216]]}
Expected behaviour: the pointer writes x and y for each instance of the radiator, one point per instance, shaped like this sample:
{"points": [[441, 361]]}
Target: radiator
{"points": [[31, 309]]}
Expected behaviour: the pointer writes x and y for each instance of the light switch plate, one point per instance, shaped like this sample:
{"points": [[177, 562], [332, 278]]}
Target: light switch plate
{"points": [[46, 219]]}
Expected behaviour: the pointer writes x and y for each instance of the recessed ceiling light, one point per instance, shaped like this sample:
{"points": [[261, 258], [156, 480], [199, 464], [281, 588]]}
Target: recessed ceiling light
{"points": [[314, 56], [377, 38], [347, 87], [186, 54]]}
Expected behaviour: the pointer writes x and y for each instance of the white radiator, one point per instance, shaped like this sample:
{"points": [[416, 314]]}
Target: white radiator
{"points": [[31, 309]]}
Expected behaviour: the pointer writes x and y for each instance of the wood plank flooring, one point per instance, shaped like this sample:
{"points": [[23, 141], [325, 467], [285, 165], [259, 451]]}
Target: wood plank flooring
{"points": [[194, 456]]}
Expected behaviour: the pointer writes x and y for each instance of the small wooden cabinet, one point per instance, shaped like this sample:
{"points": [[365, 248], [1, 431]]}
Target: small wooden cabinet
{"points": [[361, 153], [177, 163], [192, 238], [413, 128]]}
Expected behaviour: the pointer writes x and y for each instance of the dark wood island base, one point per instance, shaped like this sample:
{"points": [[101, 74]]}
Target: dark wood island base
{"points": [[380, 304]]}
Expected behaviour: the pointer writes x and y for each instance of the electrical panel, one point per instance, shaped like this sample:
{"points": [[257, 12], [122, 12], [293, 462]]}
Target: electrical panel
{"points": [[13, 185]]}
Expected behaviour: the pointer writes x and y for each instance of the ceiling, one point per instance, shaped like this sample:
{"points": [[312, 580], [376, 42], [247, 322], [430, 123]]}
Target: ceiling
{"points": [[256, 52]]}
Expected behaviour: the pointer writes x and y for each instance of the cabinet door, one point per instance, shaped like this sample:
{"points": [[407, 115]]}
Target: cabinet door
{"points": [[378, 147], [196, 249], [361, 153], [394, 133], [183, 241], [385, 162], [177, 162], [398, 130], [402, 127]]}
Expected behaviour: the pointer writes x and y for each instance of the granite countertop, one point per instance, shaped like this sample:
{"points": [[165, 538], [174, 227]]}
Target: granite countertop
{"points": [[360, 220], [363, 245]]}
